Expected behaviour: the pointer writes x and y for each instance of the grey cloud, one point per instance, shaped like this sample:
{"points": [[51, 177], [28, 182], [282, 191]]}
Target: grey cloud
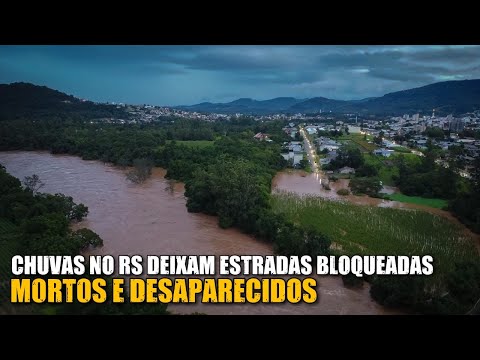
{"points": [[359, 59], [239, 58], [247, 71], [388, 73], [457, 55], [282, 77], [159, 69]]}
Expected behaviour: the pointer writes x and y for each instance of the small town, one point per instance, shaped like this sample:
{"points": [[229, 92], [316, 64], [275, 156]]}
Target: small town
{"points": [[411, 133]]}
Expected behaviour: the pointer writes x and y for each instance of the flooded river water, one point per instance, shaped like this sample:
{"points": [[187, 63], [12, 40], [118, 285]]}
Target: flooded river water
{"points": [[152, 219]]}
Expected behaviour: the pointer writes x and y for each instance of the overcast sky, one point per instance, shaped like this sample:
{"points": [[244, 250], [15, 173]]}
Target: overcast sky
{"points": [[177, 75]]}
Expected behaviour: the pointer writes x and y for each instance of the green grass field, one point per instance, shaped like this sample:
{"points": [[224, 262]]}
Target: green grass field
{"points": [[358, 139], [435, 203], [194, 143], [367, 230], [409, 157], [402, 149]]}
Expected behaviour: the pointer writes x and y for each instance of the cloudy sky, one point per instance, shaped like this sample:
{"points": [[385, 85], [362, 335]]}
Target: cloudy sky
{"points": [[177, 75]]}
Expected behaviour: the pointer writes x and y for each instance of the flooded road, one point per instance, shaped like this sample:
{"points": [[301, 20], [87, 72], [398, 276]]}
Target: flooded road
{"points": [[152, 219]]}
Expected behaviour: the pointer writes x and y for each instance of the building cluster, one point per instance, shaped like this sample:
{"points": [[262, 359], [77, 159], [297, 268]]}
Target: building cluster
{"points": [[413, 128], [409, 133], [148, 113], [293, 152], [416, 124]]}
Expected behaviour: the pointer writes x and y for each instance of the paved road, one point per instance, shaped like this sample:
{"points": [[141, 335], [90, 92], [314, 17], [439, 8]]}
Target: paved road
{"points": [[310, 149]]}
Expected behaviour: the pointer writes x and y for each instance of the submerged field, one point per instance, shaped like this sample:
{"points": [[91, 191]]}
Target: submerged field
{"points": [[367, 230]]}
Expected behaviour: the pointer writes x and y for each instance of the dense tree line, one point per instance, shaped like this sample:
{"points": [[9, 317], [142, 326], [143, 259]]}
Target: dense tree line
{"points": [[118, 144], [427, 179]]}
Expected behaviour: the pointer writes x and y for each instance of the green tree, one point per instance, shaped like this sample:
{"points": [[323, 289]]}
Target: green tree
{"points": [[83, 238], [348, 156], [33, 183], [303, 163], [142, 169], [368, 186], [78, 212], [435, 132], [367, 170]]}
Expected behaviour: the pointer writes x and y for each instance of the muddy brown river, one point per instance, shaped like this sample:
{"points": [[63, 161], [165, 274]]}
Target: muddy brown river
{"points": [[152, 219]]}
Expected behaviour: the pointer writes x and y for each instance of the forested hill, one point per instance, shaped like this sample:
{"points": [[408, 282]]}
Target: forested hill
{"points": [[445, 97], [32, 102]]}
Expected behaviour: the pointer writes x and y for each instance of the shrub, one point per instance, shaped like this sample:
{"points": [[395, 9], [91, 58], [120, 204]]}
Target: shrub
{"points": [[343, 192]]}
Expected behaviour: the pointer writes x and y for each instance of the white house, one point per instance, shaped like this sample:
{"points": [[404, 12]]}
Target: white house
{"points": [[383, 152]]}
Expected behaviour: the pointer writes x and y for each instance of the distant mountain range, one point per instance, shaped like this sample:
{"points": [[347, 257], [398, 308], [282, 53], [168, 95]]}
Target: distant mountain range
{"points": [[445, 97]]}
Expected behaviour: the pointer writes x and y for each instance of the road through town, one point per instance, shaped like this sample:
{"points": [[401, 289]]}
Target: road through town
{"points": [[310, 150]]}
